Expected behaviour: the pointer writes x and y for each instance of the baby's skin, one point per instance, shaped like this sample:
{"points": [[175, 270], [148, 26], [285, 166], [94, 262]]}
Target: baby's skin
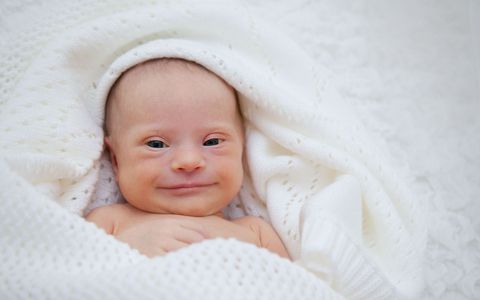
{"points": [[158, 234], [175, 137]]}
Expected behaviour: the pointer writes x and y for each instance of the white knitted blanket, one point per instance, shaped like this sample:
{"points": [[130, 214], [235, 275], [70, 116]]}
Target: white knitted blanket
{"points": [[351, 226]]}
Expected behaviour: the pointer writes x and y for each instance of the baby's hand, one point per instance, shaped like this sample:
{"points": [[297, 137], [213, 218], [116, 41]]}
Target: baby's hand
{"points": [[163, 234], [151, 234]]}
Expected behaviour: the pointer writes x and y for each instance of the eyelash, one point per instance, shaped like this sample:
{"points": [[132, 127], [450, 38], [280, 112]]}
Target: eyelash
{"points": [[217, 141], [158, 144]]}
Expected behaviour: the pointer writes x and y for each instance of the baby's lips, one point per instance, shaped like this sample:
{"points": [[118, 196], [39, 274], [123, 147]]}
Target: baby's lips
{"points": [[188, 185]]}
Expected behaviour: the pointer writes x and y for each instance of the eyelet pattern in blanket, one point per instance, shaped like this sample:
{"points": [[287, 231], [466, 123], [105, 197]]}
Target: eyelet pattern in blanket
{"points": [[352, 228]]}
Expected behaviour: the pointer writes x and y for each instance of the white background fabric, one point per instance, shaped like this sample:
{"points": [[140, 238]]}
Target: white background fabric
{"points": [[412, 70]]}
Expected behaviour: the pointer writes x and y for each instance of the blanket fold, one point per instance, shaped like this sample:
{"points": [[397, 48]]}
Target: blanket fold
{"points": [[313, 171]]}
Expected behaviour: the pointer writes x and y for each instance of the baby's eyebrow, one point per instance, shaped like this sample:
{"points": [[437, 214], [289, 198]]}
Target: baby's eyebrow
{"points": [[211, 127], [220, 124], [225, 129]]}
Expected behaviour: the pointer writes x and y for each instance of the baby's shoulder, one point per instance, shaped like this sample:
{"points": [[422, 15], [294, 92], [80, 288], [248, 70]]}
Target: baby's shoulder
{"points": [[105, 216], [254, 224], [266, 233], [117, 208]]}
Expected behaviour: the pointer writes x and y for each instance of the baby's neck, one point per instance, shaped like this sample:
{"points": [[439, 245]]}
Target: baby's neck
{"points": [[219, 214]]}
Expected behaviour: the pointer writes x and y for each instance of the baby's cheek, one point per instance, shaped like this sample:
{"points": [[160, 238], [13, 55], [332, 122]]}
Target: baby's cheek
{"points": [[149, 172], [134, 174], [233, 171]]}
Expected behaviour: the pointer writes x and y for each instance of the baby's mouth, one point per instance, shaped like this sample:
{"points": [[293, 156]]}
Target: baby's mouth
{"points": [[187, 188]]}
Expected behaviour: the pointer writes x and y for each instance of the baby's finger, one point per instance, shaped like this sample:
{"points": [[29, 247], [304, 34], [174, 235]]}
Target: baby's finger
{"points": [[189, 235], [153, 252], [197, 227], [173, 244]]}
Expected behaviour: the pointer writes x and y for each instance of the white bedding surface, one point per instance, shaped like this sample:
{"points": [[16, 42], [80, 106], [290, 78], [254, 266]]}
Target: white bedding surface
{"points": [[412, 70]]}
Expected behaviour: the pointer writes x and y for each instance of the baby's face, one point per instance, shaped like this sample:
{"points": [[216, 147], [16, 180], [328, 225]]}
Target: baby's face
{"points": [[176, 141]]}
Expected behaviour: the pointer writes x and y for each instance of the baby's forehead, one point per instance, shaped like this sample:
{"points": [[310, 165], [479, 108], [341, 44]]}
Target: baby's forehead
{"points": [[131, 78], [163, 66], [173, 74]]}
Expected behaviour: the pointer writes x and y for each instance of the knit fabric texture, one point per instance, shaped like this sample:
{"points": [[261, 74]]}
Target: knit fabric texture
{"points": [[352, 228]]}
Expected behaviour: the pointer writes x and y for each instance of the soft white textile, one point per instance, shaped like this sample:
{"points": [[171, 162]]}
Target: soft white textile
{"points": [[315, 173]]}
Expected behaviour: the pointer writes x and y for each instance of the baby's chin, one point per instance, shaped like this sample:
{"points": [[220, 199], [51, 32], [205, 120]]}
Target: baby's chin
{"points": [[197, 212], [187, 208]]}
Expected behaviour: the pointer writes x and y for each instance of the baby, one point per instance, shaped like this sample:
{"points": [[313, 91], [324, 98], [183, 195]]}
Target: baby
{"points": [[175, 137]]}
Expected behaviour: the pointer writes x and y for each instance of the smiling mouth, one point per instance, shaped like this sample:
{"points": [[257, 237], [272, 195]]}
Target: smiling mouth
{"points": [[181, 189], [188, 186]]}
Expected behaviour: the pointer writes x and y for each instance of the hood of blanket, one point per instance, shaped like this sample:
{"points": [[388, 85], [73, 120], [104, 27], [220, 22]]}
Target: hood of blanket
{"points": [[301, 138]]}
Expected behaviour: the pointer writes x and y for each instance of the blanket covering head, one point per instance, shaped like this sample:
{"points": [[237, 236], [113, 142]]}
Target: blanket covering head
{"points": [[352, 229]]}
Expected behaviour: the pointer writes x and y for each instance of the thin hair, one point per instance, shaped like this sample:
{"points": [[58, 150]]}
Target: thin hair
{"points": [[153, 66]]}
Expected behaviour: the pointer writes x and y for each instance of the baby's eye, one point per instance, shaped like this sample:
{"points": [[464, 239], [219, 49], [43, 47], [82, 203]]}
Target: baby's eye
{"points": [[212, 142], [156, 144]]}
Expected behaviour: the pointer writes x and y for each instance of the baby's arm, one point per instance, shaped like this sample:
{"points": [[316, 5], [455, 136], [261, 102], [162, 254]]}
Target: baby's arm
{"points": [[151, 234], [269, 239]]}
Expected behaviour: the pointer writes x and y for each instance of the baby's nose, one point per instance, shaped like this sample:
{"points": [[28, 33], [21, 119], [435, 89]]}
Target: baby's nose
{"points": [[188, 160]]}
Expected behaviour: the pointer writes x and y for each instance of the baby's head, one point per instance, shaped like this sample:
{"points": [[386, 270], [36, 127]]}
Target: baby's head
{"points": [[175, 137]]}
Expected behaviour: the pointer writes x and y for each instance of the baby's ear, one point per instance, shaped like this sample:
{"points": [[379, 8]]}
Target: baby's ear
{"points": [[113, 158]]}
